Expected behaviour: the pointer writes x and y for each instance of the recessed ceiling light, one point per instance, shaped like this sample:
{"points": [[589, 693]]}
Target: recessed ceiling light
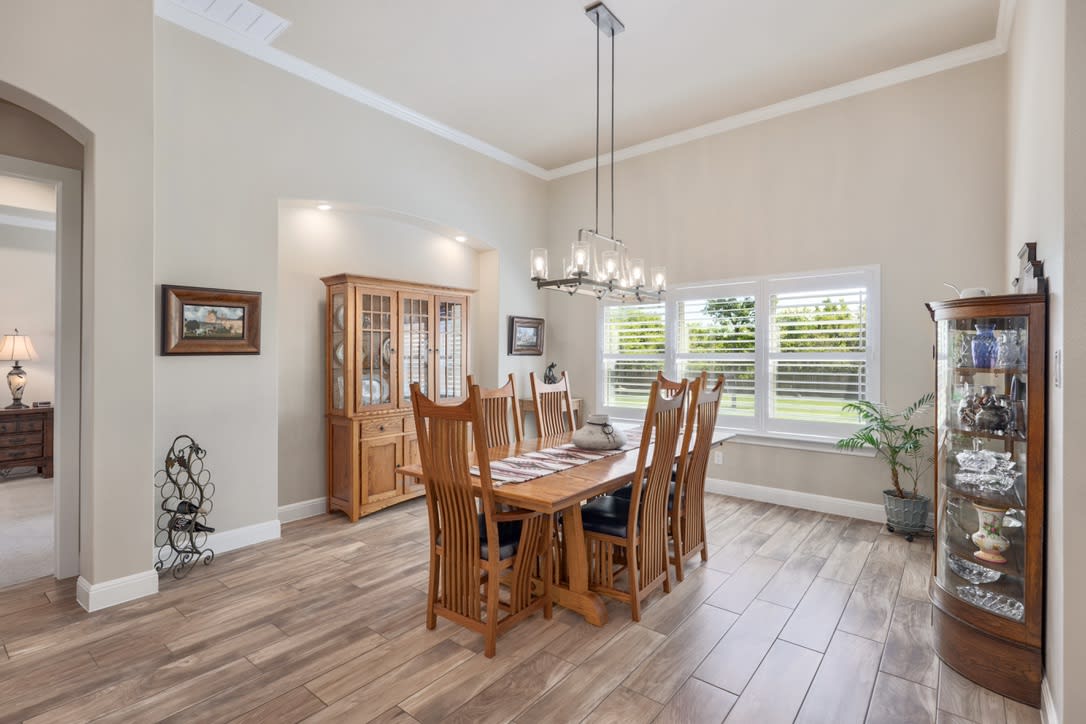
{"points": [[461, 239], [324, 207]]}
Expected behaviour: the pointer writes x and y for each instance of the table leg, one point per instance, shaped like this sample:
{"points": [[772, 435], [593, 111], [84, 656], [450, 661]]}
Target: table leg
{"points": [[575, 595]]}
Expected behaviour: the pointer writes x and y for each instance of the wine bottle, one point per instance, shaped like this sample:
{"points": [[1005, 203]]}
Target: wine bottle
{"points": [[201, 528]]}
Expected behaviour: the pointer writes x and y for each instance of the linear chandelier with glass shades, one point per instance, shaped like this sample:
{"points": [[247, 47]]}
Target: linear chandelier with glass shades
{"points": [[598, 265]]}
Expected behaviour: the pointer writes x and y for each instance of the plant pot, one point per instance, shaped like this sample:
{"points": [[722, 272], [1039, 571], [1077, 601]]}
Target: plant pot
{"points": [[908, 514]]}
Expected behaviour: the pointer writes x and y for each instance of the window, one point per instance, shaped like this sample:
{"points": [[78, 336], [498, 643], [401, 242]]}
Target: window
{"points": [[792, 349]]}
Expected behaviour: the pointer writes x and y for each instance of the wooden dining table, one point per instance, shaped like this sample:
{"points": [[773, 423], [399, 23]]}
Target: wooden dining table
{"points": [[563, 492]]}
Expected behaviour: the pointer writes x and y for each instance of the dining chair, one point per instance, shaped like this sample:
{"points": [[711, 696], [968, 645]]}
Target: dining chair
{"points": [[553, 406], [474, 549], [630, 534], [687, 509], [668, 388], [499, 404]]}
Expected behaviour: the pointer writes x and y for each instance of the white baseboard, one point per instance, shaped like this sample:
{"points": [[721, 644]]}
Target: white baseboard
{"points": [[798, 499], [96, 596], [304, 509], [231, 540], [1048, 705]]}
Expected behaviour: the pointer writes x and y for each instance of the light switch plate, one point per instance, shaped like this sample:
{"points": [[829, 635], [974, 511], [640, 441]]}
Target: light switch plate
{"points": [[718, 458]]}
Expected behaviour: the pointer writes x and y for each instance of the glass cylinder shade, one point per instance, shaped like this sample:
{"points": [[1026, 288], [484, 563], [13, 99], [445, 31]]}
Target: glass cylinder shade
{"points": [[582, 259], [659, 278], [539, 264], [637, 272], [610, 263]]}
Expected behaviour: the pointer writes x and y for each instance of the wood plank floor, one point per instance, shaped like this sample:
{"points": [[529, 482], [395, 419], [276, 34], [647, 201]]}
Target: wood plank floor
{"points": [[797, 616]]}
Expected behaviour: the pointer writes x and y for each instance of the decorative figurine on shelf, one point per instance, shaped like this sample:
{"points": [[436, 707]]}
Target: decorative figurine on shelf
{"points": [[965, 350], [598, 434], [185, 489], [990, 538], [1006, 352], [984, 345], [549, 377]]}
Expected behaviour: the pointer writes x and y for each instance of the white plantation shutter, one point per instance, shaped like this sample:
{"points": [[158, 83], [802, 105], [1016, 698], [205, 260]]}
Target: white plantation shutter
{"points": [[793, 349], [717, 335], [633, 352]]}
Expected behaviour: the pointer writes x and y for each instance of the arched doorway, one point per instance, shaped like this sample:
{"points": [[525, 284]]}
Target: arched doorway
{"points": [[34, 147]]}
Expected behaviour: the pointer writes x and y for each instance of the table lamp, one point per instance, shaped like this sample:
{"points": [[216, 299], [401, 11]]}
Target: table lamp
{"points": [[13, 348]]}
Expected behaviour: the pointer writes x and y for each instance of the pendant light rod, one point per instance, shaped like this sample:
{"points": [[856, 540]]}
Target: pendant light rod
{"points": [[597, 123], [612, 135]]}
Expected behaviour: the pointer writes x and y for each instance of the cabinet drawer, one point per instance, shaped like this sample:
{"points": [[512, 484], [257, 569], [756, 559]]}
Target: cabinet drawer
{"points": [[7, 427], [381, 426], [8, 454], [24, 439]]}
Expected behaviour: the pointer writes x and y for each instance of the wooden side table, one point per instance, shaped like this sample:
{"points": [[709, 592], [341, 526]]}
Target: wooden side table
{"points": [[26, 439], [527, 407]]}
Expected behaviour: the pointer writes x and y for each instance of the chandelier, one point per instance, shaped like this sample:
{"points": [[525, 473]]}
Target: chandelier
{"points": [[598, 265]]}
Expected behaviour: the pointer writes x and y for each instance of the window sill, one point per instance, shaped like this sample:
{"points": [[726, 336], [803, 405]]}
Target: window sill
{"points": [[808, 443]]}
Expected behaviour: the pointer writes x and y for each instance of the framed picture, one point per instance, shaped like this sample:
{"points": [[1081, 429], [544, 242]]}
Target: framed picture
{"points": [[525, 335], [197, 320]]}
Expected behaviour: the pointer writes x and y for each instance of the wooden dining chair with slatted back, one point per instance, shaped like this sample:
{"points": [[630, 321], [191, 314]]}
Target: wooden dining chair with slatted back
{"points": [[553, 406], [669, 387], [475, 549], [687, 510], [499, 404], [630, 534]]}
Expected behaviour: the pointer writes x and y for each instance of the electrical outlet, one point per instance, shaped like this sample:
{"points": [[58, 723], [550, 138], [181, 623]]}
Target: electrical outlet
{"points": [[718, 458]]}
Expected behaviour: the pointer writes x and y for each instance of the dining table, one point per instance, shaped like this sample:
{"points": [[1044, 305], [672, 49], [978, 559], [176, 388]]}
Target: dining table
{"points": [[562, 493]]}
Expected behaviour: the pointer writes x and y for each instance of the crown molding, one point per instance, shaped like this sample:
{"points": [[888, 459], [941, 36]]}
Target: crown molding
{"points": [[178, 15], [877, 81]]}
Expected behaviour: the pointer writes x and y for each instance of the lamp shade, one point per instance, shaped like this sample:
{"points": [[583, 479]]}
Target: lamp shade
{"points": [[16, 347]]}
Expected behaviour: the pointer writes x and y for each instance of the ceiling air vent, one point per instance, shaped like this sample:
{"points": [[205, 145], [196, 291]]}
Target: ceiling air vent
{"points": [[241, 16]]}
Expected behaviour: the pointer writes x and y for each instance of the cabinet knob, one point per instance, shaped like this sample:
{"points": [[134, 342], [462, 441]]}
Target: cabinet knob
{"points": [[381, 428]]}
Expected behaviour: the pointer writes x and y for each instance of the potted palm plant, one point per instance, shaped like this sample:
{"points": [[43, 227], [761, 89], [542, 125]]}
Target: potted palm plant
{"points": [[900, 443]]}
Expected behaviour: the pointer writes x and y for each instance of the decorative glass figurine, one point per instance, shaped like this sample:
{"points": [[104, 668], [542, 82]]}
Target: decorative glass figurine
{"points": [[1006, 351], [984, 345]]}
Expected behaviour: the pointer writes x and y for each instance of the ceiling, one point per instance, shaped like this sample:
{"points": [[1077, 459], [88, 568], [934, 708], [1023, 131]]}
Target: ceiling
{"points": [[520, 75]]}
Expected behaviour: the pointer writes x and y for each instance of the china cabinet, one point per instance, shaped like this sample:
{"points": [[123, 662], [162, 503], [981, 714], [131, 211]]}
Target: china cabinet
{"points": [[987, 582], [380, 337]]}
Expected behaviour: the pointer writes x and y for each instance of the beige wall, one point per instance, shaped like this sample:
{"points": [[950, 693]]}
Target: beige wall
{"points": [[87, 67], [314, 244], [224, 159], [28, 301], [910, 177], [27, 135], [1046, 162]]}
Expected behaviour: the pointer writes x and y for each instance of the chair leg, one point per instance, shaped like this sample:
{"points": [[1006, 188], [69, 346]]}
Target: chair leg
{"points": [[493, 588], [704, 541], [677, 541], [431, 593]]}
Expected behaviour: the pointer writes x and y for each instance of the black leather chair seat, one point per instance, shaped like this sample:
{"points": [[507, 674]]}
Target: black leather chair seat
{"points": [[607, 514], [627, 491], [508, 538]]}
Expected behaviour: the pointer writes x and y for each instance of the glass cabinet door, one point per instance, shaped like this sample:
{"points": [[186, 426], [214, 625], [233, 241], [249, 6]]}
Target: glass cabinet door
{"points": [[982, 371], [375, 349], [416, 346], [338, 347], [451, 347]]}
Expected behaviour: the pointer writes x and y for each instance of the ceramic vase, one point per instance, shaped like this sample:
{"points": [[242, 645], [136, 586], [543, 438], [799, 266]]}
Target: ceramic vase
{"points": [[989, 539], [984, 346]]}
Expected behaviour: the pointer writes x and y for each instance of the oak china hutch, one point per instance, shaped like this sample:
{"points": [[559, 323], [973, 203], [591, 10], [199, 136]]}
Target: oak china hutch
{"points": [[381, 336], [987, 585]]}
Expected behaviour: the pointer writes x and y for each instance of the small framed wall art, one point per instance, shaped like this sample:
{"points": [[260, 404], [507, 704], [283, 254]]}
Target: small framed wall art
{"points": [[198, 320], [526, 335]]}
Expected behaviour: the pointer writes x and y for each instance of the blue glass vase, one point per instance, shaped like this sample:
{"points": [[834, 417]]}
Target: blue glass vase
{"points": [[984, 346]]}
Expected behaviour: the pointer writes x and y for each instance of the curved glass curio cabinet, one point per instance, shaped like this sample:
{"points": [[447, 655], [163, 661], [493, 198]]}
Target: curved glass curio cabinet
{"points": [[988, 574]]}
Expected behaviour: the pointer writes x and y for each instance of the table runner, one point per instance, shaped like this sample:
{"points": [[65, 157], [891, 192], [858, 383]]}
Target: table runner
{"points": [[532, 465]]}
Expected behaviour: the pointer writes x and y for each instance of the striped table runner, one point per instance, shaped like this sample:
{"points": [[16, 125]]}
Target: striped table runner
{"points": [[536, 464]]}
